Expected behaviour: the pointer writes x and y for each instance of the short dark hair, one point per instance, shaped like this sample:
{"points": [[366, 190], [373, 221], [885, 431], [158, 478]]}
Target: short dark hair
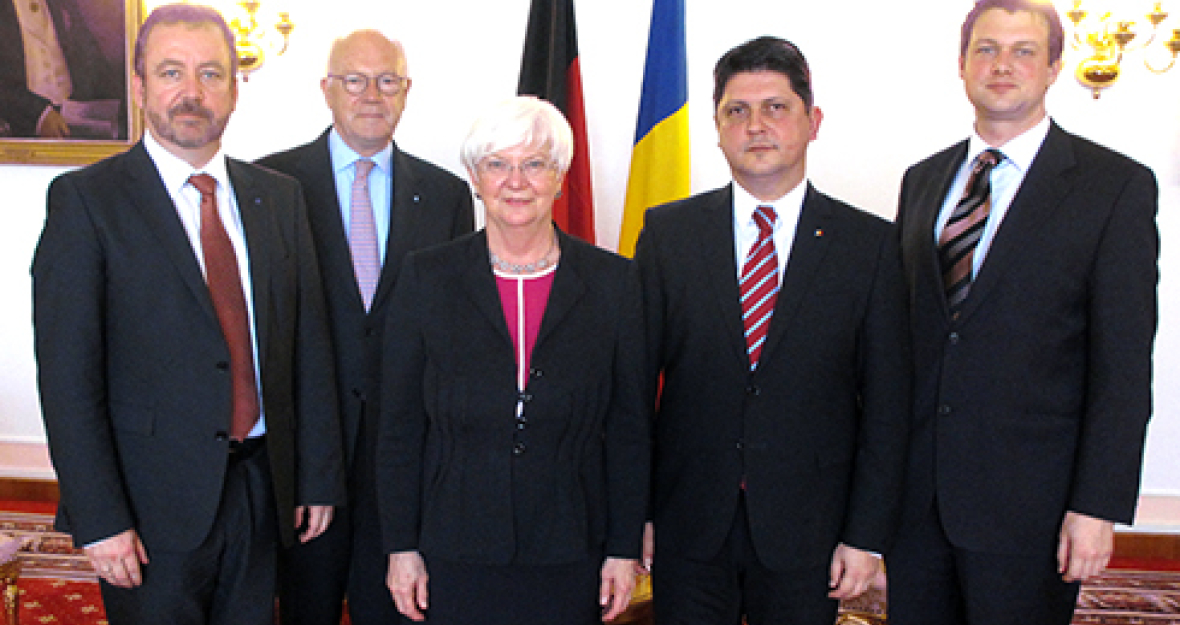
{"points": [[192, 15], [765, 53], [1044, 8]]}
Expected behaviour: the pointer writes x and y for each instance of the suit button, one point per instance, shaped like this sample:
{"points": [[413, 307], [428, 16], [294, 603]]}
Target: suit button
{"points": [[221, 435], [518, 449], [753, 390], [358, 393], [525, 397], [536, 373], [953, 338], [369, 332], [740, 444], [223, 365], [944, 410]]}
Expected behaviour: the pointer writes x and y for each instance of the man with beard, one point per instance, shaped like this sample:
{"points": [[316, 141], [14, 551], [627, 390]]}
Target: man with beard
{"points": [[184, 359]]}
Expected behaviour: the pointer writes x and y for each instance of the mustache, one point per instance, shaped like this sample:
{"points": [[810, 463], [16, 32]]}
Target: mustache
{"points": [[191, 106]]}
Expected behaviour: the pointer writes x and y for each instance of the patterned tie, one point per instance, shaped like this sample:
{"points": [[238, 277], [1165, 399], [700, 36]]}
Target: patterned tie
{"points": [[960, 235], [362, 234], [225, 286], [759, 284]]}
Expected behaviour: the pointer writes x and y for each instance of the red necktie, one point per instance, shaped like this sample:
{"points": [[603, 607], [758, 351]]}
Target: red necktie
{"points": [[759, 284], [961, 234], [225, 286]]}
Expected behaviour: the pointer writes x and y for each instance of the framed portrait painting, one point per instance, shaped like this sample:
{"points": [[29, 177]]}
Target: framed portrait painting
{"points": [[65, 80]]}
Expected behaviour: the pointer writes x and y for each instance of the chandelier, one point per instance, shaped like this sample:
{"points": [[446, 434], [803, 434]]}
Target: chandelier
{"points": [[1108, 36]]}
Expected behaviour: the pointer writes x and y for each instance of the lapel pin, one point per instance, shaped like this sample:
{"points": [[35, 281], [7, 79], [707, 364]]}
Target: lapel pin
{"points": [[258, 201], [417, 198], [819, 232]]}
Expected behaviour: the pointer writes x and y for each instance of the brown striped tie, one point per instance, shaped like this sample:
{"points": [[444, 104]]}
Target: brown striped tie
{"points": [[960, 236]]}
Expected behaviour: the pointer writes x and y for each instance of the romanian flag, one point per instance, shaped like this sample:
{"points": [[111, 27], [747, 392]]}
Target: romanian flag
{"points": [[660, 160], [549, 69]]}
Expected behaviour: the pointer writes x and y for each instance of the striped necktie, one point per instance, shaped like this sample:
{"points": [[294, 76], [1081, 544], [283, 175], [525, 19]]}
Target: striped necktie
{"points": [[759, 284], [961, 234], [362, 234], [229, 302]]}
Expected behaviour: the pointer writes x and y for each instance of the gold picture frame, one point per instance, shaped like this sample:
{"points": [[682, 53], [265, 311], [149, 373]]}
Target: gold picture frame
{"points": [[111, 26]]}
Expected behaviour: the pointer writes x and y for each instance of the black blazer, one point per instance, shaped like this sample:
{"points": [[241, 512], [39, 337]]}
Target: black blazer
{"points": [[1036, 399], [818, 432], [457, 478], [132, 370], [429, 205]]}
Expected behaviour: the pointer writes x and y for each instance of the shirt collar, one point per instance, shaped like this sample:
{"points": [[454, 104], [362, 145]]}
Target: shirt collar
{"points": [[786, 207], [1020, 150], [344, 156], [175, 171]]}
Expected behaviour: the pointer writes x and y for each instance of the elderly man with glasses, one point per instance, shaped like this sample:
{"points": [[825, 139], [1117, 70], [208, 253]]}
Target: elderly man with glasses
{"points": [[369, 204]]}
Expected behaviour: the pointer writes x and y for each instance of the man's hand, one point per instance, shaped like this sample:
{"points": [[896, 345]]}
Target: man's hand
{"points": [[117, 560], [407, 582], [852, 570], [618, 582], [318, 520], [1084, 547]]}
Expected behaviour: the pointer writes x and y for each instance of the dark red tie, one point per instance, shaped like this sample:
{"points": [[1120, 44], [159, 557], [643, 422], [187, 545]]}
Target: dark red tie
{"points": [[225, 286], [961, 234], [759, 284]]}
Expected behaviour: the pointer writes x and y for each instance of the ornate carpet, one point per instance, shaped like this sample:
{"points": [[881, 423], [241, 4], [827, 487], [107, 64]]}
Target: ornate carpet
{"points": [[58, 587]]}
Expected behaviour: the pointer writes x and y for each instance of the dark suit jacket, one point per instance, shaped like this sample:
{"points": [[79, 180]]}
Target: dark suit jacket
{"points": [[818, 431], [429, 206], [452, 481], [133, 368], [1036, 399], [92, 75]]}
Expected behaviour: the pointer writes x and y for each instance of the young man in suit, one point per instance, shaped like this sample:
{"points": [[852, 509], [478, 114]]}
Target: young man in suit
{"points": [[183, 352], [776, 315], [1031, 260], [409, 204]]}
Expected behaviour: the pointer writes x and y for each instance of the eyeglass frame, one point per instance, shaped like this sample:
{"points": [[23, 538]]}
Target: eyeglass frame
{"points": [[533, 168], [344, 82]]}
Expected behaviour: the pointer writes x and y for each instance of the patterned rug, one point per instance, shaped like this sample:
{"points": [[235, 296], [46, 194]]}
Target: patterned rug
{"points": [[58, 587]]}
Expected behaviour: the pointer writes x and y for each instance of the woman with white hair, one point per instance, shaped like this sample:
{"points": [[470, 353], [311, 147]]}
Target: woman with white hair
{"points": [[513, 447]]}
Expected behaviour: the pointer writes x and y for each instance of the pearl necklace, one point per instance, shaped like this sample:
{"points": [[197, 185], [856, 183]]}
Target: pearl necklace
{"points": [[533, 267]]}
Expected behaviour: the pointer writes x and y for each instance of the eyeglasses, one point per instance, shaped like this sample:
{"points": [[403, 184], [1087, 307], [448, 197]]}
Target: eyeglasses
{"points": [[497, 168], [388, 84]]}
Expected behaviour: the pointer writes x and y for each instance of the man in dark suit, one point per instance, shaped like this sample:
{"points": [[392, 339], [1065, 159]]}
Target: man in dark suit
{"points": [[413, 204], [183, 349], [87, 72], [778, 454], [1031, 260]]}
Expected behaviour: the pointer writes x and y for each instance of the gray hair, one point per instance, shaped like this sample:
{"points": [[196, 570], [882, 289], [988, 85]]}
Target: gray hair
{"points": [[522, 120]]}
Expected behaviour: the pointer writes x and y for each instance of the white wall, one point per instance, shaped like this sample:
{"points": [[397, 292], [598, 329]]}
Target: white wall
{"points": [[887, 82]]}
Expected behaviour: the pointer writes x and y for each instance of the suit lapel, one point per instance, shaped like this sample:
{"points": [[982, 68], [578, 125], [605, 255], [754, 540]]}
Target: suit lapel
{"points": [[255, 208], [714, 239], [323, 210], [1040, 194], [568, 288], [147, 193], [404, 202], [481, 284], [808, 248]]}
